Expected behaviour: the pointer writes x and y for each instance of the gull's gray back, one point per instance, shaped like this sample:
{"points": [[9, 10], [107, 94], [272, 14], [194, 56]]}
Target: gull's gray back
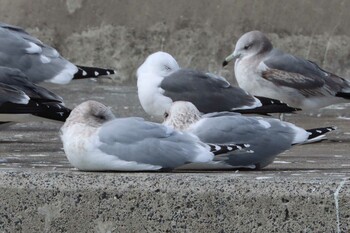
{"points": [[206, 92], [14, 44], [133, 139], [16, 79], [12, 95], [265, 142]]}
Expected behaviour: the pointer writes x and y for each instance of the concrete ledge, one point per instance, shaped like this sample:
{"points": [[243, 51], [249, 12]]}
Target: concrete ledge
{"points": [[58, 201], [303, 191]]}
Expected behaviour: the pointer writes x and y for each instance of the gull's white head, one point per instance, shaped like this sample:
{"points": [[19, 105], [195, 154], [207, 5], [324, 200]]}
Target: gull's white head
{"points": [[159, 63], [91, 113], [181, 115], [250, 44]]}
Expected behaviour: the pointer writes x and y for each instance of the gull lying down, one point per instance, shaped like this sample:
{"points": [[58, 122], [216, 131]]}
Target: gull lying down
{"points": [[267, 137], [94, 140]]}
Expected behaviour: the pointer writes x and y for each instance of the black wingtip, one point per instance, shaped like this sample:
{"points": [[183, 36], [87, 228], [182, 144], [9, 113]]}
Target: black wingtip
{"points": [[269, 106], [224, 63], [344, 95], [217, 149], [92, 72], [53, 111], [316, 132], [49, 110]]}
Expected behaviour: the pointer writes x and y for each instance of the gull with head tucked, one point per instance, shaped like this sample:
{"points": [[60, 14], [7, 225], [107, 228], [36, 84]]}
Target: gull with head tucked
{"points": [[267, 137], [94, 140], [265, 71], [161, 81]]}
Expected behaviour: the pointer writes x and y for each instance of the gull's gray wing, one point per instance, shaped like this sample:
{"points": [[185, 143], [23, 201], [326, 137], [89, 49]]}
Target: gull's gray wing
{"points": [[287, 70], [20, 96], [18, 80], [20, 31], [133, 139], [220, 114], [209, 93], [38, 61], [267, 137], [12, 95]]}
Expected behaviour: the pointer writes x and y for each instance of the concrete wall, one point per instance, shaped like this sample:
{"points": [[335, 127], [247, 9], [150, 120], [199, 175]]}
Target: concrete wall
{"points": [[121, 33], [54, 201]]}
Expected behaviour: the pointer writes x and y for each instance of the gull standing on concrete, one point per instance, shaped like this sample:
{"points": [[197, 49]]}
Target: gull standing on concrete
{"points": [[262, 70], [23, 101], [160, 81], [94, 140], [267, 137], [38, 61]]}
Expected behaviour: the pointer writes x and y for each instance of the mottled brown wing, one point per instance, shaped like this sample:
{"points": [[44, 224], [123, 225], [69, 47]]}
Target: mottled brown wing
{"points": [[307, 86]]}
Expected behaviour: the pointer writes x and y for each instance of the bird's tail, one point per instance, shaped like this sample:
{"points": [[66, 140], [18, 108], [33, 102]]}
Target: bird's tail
{"points": [[92, 72], [269, 106], [217, 149], [318, 134], [49, 110]]}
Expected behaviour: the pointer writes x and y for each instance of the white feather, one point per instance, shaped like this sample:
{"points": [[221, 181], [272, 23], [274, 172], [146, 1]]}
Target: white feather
{"points": [[44, 59], [66, 75], [264, 124], [33, 48]]}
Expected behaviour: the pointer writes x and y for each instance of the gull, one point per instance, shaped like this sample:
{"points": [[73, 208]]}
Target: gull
{"points": [[160, 81], [38, 61], [23, 101], [94, 140], [263, 70], [267, 137]]}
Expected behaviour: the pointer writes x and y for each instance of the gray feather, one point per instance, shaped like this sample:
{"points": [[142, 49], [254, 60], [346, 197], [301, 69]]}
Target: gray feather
{"points": [[12, 95], [207, 92], [18, 80], [265, 142], [133, 139], [14, 42], [290, 71]]}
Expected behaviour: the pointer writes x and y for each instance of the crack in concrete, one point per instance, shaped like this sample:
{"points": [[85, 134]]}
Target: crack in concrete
{"points": [[336, 200]]}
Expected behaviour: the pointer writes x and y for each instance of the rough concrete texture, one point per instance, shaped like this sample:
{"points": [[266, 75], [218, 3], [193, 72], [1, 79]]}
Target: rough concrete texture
{"points": [[305, 190], [43, 201]]}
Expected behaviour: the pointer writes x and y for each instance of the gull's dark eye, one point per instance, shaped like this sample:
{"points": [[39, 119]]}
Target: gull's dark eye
{"points": [[166, 115], [167, 67], [247, 47], [101, 117]]}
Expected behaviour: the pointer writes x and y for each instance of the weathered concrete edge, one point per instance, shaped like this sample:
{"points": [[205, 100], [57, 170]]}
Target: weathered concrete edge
{"points": [[40, 201]]}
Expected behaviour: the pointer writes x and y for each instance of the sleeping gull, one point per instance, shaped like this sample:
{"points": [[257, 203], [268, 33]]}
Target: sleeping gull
{"points": [[160, 81], [267, 137], [94, 140], [38, 61], [262, 70], [22, 101]]}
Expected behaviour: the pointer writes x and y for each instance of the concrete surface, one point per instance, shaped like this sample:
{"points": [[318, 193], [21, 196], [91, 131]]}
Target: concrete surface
{"points": [[57, 201], [305, 190]]}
